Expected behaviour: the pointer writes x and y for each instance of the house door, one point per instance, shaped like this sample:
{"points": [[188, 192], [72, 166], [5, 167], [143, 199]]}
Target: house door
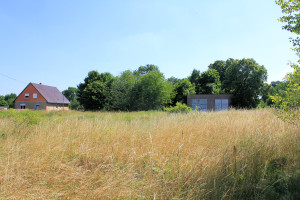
{"points": [[221, 104]]}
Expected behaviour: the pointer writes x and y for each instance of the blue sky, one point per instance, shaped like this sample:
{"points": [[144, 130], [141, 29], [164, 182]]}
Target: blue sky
{"points": [[58, 42]]}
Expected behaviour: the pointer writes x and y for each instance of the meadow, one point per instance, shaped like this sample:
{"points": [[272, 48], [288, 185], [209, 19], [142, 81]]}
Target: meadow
{"points": [[236, 154]]}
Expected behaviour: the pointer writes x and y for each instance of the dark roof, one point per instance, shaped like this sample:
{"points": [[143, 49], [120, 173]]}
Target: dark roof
{"points": [[51, 94]]}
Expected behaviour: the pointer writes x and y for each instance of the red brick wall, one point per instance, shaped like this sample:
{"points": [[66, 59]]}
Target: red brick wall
{"points": [[30, 89]]}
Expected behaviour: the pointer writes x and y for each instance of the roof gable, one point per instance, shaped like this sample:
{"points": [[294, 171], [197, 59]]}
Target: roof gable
{"points": [[51, 94], [31, 90]]}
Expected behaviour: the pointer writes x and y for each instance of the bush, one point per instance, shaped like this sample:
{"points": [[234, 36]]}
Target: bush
{"points": [[179, 108]]}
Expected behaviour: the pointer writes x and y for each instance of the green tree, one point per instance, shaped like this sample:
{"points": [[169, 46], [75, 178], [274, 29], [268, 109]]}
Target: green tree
{"points": [[94, 93], [173, 80], [291, 18], [244, 79], [269, 90], [151, 91], [121, 91], [10, 98], [142, 70], [70, 93], [209, 82], [194, 76], [2, 101], [221, 67], [288, 100], [181, 90]]}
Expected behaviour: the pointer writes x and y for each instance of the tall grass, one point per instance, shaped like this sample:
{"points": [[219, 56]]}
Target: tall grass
{"points": [[88, 155]]}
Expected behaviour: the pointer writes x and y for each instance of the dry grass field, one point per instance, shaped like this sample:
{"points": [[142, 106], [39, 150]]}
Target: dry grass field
{"points": [[235, 154]]}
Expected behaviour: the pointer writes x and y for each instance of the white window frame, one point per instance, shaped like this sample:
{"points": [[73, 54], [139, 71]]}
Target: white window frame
{"points": [[37, 105], [34, 95], [21, 105], [26, 96]]}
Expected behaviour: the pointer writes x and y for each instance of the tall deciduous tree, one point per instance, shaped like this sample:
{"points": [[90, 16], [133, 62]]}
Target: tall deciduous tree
{"points": [[209, 82], [2, 101], [121, 91], [181, 90], [142, 70], [173, 80], [289, 100], [194, 76], [221, 67], [151, 91], [93, 94], [291, 18], [70, 93], [244, 78], [10, 98]]}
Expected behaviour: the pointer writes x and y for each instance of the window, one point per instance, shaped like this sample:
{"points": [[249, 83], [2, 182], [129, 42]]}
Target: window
{"points": [[26, 95], [200, 104], [37, 106], [22, 106], [221, 104], [34, 95]]}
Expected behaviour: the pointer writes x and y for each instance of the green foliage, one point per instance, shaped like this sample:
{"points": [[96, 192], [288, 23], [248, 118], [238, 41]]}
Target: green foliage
{"points": [[2, 101], [93, 94], [220, 66], [291, 19], [173, 80], [209, 82], [269, 90], [143, 89], [142, 70], [8, 100], [26, 118], [151, 92], [6, 113], [179, 108], [93, 97], [147, 89], [121, 91], [181, 90], [194, 76], [70, 93], [75, 105], [287, 101], [244, 79]]}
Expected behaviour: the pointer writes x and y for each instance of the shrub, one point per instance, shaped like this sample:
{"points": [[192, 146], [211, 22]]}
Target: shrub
{"points": [[179, 108]]}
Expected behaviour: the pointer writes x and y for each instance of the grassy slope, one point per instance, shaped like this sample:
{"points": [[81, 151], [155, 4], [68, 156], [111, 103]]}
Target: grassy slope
{"points": [[228, 155]]}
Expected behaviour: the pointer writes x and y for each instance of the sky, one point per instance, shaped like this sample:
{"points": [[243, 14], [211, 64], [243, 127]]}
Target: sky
{"points": [[57, 43]]}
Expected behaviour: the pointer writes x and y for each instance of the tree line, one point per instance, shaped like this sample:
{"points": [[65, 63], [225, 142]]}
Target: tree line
{"points": [[146, 88], [8, 100]]}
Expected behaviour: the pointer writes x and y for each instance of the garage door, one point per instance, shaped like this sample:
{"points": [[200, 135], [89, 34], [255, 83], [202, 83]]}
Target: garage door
{"points": [[221, 104]]}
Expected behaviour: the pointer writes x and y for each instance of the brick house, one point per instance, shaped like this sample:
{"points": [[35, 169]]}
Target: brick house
{"points": [[41, 97], [210, 102]]}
